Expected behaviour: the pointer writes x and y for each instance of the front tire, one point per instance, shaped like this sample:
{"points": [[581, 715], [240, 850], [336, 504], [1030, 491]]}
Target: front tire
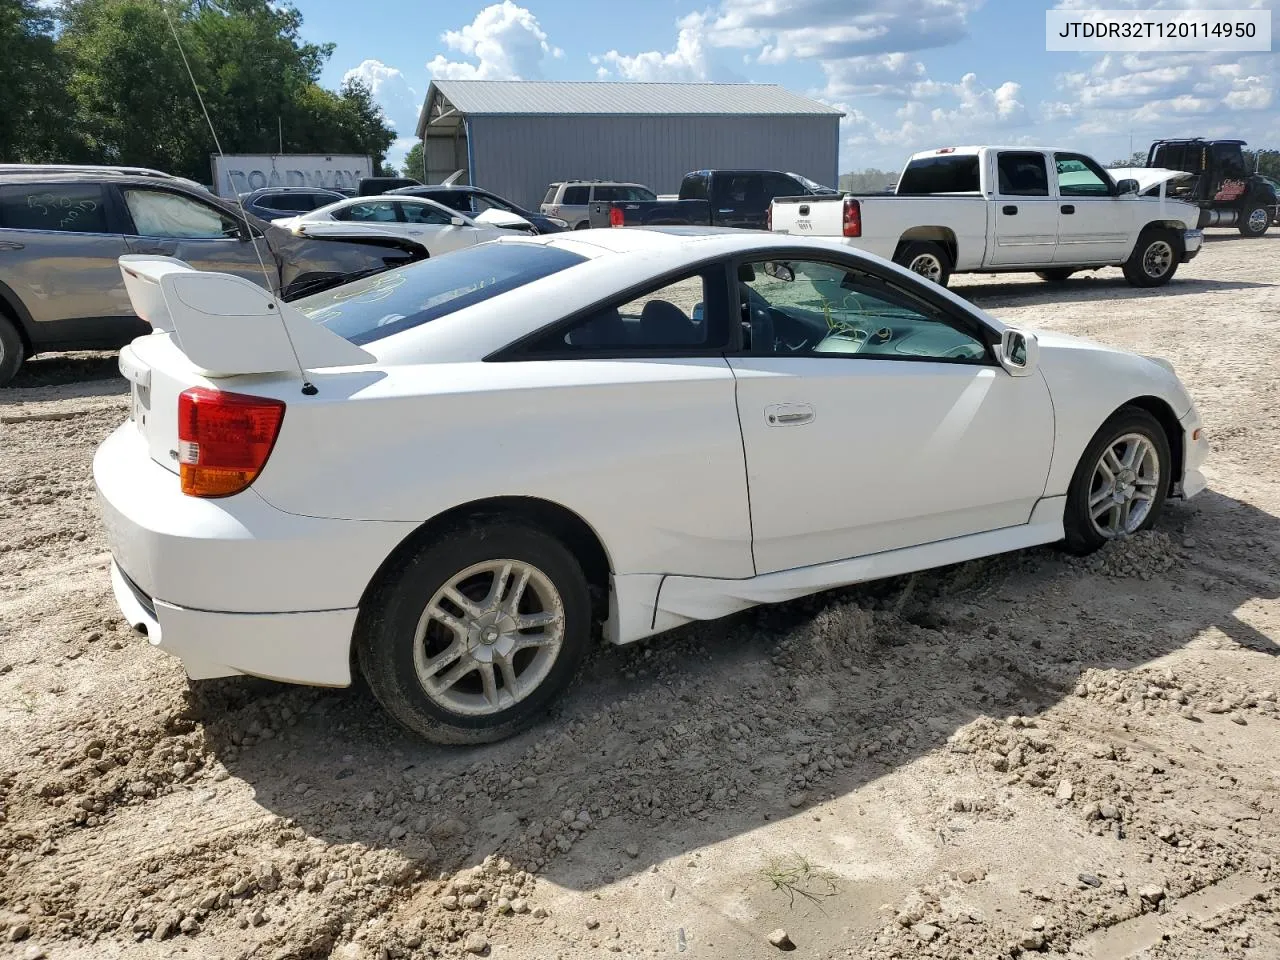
{"points": [[12, 353], [1056, 275], [1154, 260], [477, 633], [926, 258], [1120, 484], [1254, 220]]}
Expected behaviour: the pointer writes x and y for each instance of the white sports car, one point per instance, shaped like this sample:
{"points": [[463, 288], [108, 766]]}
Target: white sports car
{"points": [[435, 226], [449, 472]]}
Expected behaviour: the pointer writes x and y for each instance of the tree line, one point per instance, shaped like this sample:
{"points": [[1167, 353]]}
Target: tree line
{"points": [[103, 81]]}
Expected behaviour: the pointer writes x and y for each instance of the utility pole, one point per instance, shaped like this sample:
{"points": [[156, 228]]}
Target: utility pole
{"points": [[280, 132]]}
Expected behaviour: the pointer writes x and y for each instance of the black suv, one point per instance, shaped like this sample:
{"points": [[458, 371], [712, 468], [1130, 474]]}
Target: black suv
{"points": [[63, 230]]}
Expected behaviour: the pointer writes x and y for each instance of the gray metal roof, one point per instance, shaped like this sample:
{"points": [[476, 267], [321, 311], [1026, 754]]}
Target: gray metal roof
{"points": [[613, 99]]}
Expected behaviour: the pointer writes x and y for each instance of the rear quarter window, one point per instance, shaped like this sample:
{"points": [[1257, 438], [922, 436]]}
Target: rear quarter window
{"points": [[577, 196], [386, 303], [945, 174], [65, 207]]}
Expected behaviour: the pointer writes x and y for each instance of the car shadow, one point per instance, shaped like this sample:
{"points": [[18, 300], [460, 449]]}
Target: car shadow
{"points": [[89, 374], [701, 735]]}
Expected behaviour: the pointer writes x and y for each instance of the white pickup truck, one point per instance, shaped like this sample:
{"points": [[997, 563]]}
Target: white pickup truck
{"points": [[1009, 209]]}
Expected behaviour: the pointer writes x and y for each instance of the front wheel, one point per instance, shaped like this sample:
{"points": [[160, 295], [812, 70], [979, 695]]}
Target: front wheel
{"points": [[1120, 484], [926, 258], [1056, 275], [1154, 260], [1254, 220], [477, 632], [11, 351]]}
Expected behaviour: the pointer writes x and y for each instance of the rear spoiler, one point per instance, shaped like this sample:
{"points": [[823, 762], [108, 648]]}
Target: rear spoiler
{"points": [[227, 325]]}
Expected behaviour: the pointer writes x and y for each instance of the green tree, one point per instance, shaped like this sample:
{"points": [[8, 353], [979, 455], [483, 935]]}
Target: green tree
{"points": [[33, 115], [869, 180], [134, 102], [413, 163]]}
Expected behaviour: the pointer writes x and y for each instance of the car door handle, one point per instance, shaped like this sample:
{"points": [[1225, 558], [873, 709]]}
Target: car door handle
{"points": [[1010, 210], [788, 414], [1067, 208]]}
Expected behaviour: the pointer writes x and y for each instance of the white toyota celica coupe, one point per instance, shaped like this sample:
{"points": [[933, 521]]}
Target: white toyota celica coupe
{"points": [[449, 472]]}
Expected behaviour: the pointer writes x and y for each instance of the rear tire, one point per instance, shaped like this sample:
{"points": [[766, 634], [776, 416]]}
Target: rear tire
{"points": [[1154, 260], [583, 225], [1129, 431], [1254, 220], [12, 352], [1054, 276], [497, 682], [926, 258]]}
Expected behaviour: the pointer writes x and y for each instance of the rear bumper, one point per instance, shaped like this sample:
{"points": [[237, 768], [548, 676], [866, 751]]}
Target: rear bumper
{"points": [[1192, 241], [312, 647], [233, 585]]}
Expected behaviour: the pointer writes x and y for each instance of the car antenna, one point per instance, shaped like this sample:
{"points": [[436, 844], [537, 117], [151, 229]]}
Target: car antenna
{"points": [[308, 388]]}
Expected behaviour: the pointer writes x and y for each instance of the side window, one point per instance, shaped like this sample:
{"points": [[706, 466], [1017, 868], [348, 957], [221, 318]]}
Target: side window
{"points": [[1229, 158], [694, 187], [739, 190], [672, 316], [1080, 177], [1022, 175], [778, 185], [608, 193], [550, 198], [460, 200], [171, 215], [370, 211], [424, 213], [797, 308], [577, 196], [68, 207], [642, 194]]}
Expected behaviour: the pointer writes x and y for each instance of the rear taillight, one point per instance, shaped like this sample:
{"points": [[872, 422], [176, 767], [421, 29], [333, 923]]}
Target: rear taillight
{"points": [[224, 440], [852, 218], [615, 217]]}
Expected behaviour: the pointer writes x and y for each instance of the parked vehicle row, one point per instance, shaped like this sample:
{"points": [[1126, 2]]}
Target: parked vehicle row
{"points": [[1009, 209], [64, 229], [717, 198], [705, 380], [571, 200]]}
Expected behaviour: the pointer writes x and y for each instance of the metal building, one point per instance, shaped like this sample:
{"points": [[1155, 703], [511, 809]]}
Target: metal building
{"points": [[516, 136]]}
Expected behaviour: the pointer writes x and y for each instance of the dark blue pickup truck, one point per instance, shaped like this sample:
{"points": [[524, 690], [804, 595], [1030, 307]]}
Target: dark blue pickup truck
{"points": [[718, 198]]}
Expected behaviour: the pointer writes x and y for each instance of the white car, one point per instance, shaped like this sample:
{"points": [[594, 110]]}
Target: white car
{"points": [[438, 228], [448, 472]]}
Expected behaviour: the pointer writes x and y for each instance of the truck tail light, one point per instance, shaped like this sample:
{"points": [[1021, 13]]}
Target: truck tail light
{"points": [[615, 216], [224, 440], [852, 218]]}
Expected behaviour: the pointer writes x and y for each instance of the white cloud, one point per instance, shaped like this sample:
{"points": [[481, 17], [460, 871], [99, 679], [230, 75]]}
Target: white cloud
{"points": [[400, 102], [504, 39], [838, 29], [688, 62], [885, 74]]}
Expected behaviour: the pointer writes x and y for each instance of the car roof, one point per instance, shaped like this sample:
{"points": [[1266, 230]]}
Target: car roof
{"points": [[290, 190]]}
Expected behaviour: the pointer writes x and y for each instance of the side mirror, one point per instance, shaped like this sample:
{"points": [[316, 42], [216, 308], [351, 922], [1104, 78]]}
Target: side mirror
{"points": [[1127, 187], [779, 271], [457, 222], [1018, 352]]}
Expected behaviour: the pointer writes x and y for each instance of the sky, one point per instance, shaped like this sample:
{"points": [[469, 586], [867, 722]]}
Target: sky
{"points": [[909, 74]]}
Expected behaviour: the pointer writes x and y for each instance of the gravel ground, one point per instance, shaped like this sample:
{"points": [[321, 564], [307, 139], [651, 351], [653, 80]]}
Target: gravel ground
{"points": [[1026, 755]]}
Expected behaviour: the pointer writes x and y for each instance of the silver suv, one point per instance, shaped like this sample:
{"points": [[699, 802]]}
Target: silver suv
{"points": [[570, 200], [63, 230]]}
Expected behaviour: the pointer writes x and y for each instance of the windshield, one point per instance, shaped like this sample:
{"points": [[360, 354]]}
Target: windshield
{"points": [[810, 184], [375, 307]]}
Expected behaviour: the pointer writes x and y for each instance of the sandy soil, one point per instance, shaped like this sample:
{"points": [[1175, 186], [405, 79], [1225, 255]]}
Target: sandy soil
{"points": [[1025, 755]]}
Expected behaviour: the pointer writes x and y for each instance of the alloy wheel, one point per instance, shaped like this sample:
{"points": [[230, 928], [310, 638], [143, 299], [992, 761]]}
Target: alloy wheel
{"points": [[1123, 488]]}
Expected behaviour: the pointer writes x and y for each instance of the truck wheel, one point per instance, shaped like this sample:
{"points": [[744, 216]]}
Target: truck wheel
{"points": [[583, 225], [477, 632], [926, 258], [1154, 260], [11, 351], [1254, 220], [1054, 276]]}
